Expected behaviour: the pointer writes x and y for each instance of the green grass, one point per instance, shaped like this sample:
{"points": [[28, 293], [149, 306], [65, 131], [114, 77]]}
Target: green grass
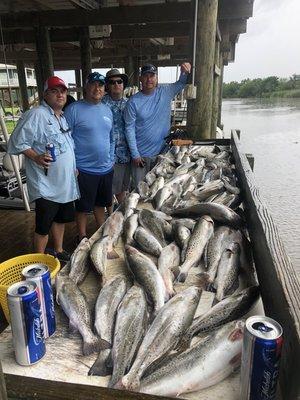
{"points": [[12, 110], [10, 125]]}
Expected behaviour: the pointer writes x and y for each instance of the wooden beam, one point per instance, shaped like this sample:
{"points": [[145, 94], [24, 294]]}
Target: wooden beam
{"points": [[235, 9], [85, 53], [44, 52], [135, 31], [3, 395], [154, 13], [274, 270], [233, 26]]}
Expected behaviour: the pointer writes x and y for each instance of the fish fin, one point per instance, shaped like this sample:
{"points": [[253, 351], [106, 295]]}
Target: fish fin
{"points": [[204, 281], [118, 385], [93, 345], [175, 271], [183, 344], [112, 255], [131, 383], [102, 366]]}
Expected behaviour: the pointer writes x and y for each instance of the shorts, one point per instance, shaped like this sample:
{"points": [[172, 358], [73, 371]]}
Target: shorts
{"points": [[121, 179], [47, 212], [139, 173], [95, 190]]}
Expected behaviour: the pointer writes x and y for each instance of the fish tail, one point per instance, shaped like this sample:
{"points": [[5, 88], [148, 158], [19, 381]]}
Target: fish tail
{"points": [[131, 382], [205, 282], [102, 366], [182, 277], [112, 255], [93, 345]]}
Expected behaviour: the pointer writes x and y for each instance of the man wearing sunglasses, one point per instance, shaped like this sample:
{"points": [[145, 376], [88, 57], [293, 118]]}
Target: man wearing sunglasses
{"points": [[51, 183], [115, 85], [148, 118], [92, 130]]}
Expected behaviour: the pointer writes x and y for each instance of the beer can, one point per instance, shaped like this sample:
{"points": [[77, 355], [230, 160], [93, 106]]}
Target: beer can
{"points": [[26, 322], [261, 353], [50, 148], [39, 273]]}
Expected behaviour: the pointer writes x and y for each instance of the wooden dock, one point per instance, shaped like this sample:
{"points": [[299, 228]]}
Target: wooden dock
{"points": [[62, 374]]}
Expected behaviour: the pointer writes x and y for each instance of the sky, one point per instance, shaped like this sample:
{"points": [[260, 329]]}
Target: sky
{"points": [[269, 47]]}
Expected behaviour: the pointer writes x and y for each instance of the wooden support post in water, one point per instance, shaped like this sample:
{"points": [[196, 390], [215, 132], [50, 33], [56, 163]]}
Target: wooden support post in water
{"points": [[200, 123], [45, 59], [85, 53], [39, 81], [220, 97], [23, 85], [78, 82], [250, 159]]}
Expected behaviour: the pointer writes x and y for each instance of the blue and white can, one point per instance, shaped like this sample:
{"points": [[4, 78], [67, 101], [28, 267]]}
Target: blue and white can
{"points": [[26, 322], [50, 148], [39, 273], [261, 354]]}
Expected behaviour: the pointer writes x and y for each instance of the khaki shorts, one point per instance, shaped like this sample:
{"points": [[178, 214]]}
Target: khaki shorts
{"points": [[121, 180]]}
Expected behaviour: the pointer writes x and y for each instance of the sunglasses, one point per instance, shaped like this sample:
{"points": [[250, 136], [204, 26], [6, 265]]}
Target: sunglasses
{"points": [[115, 82]]}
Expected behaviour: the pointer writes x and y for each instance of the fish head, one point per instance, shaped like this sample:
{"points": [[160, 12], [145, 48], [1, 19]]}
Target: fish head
{"points": [[238, 331]]}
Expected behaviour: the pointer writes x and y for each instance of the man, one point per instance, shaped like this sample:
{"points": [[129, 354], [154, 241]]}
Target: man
{"points": [[50, 183], [115, 85], [92, 130], [148, 118]]}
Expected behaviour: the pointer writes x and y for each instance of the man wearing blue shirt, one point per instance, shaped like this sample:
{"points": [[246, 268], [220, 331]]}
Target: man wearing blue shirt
{"points": [[50, 183], [148, 118], [91, 123], [115, 85]]}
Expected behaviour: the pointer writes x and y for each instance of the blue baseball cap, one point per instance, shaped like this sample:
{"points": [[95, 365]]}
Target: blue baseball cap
{"points": [[148, 69], [95, 77]]}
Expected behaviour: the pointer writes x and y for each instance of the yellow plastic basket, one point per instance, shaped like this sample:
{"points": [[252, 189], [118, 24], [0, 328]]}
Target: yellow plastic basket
{"points": [[10, 272]]}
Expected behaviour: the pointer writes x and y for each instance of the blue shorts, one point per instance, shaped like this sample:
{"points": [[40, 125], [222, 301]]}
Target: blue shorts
{"points": [[95, 190]]}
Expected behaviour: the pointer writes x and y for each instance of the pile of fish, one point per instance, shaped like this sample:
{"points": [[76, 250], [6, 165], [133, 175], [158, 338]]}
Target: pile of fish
{"points": [[149, 330]]}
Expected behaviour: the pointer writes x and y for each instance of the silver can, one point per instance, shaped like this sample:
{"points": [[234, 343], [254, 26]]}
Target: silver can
{"points": [[26, 322]]}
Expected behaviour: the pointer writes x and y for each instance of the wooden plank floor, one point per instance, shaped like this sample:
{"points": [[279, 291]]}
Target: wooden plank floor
{"points": [[16, 237]]}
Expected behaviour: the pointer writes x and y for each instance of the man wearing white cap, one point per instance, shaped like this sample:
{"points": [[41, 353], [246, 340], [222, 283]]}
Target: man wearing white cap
{"points": [[51, 181]]}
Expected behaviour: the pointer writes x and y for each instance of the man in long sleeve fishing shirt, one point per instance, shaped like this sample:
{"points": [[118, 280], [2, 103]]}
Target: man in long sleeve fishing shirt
{"points": [[50, 183], [92, 130], [148, 118]]}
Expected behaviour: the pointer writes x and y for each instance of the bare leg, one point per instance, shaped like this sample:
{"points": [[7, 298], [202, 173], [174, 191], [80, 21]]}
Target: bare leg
{"points": [[109, 210], [81, 221], [58, 231], [40, 242], [99, 213]]}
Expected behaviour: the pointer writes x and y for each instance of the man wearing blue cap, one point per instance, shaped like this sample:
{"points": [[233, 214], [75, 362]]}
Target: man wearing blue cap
{"points": [[148, 118], [92, 130]]}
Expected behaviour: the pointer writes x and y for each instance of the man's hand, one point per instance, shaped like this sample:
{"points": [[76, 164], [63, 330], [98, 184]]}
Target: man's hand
{"points": [[138, 162], [186, 68], [43, 160]]}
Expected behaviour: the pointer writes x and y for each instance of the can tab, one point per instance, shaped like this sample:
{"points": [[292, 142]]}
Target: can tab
{"points": [[22, 290], [261, 327]]}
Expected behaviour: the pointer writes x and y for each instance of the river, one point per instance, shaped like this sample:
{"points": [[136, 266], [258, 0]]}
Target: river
{"points": [[270, 130]]}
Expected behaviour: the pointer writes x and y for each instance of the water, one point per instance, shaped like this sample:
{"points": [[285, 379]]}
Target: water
{"points": [[270, 130]]}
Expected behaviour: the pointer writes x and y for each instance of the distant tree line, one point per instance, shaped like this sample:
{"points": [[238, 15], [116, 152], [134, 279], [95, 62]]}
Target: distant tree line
{"points": [[267, 87]]}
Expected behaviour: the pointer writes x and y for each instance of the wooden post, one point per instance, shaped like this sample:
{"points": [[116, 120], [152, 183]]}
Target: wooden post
{"points": [[132, 70], [216, 91], [220, 97], [200, 123], [44, 52], [85, 53], [39, 81], [23, 85], [78, 83]]}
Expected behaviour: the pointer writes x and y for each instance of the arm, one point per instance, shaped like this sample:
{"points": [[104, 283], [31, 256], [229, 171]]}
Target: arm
{"points": [[179, 85], [112, 142], [130, 118]]}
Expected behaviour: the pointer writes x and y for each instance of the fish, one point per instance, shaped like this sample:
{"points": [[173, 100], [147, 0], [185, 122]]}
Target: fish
{"points": [[106, 307], [182, 236], [202, 232], [143, 189], [130, 226], [113, 228], [161, 196], [161, 215], [228, 270], [230, 188], [147, 275], [130, 204], [205, 364], [149, 221], [217, 212], [158, 184], [98, 255], [168, 259], [79, 261], [150, 178], [164, 333], [75, 306], [187, 222], [147, 241], [227, 310], [209, 189], [131, 323]]}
